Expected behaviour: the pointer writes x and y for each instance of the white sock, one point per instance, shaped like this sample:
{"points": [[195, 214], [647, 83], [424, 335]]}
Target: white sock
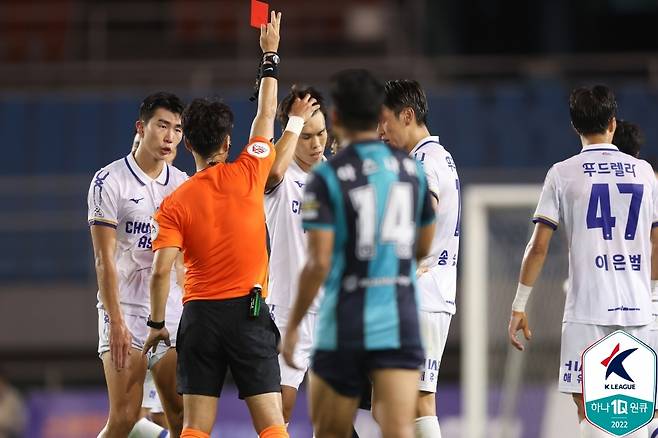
{"points": [[365, 425], [588, 430], [147, 429], [428, 427], [653, 428]]}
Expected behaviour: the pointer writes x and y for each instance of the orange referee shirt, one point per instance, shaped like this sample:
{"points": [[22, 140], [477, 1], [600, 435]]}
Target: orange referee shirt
{"points": [[217, 219]]}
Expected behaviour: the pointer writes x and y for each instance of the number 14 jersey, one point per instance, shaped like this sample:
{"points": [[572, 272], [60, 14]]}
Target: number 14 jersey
{"points": [[607, 202]]}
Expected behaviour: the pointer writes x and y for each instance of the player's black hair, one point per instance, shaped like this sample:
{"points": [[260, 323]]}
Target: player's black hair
{"points": [[592, 109], [298, 91], [407, 93], [206, 124], [161, 99], [628, 138], [358, 98]]}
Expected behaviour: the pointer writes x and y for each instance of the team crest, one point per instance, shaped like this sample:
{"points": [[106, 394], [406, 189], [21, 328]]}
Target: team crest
{"points": [[155, 229], [258, 149]]}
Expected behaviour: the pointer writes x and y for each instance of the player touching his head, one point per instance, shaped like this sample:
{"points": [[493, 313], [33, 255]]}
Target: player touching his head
{"points": [[123, 196], [404, 126], [592, 195], [368, 217], [283, 200]]}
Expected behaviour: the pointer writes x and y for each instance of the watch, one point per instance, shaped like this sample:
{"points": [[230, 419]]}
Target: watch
{"points": [[154, 324]]}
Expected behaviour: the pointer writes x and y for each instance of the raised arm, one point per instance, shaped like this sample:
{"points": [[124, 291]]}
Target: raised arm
{"points": [[263, 125], [300, 112]]}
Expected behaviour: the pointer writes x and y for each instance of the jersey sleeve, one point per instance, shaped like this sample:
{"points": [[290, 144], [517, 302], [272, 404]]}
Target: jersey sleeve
{"points": [[102, 200], [317, 209], [167, 226], [256, 160], [427, 213], [548, 209], [654, 190], [431, 168]]}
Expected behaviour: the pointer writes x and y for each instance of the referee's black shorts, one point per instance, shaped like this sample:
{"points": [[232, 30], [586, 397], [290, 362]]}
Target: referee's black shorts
{"points": [[216, 335]]}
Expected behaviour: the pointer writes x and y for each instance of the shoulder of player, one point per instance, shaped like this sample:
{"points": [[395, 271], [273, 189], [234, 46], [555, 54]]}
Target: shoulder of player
{"points": [[177, 176], [111, 174]]}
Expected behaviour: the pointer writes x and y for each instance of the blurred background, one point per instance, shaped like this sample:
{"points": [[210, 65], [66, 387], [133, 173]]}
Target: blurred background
{"points": [[497, 74]]}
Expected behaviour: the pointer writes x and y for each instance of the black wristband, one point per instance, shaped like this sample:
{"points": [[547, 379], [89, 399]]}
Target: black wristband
{"points": [[154, 324]]}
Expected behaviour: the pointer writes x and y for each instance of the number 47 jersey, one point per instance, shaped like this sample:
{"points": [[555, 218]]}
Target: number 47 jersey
{"points": [[607, 202]]}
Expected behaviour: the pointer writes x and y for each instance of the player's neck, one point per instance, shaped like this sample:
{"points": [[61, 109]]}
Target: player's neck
{"points": [[149, 165], [302, 165], [417, 134], [595, 139]]}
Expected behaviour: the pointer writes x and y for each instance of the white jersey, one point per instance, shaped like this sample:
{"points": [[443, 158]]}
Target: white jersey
{"points": [[123, 197], [443, 184], [287, 238], [607, 202]]}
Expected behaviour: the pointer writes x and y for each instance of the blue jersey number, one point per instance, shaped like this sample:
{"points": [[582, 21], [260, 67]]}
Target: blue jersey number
{"points": [[599, 213]]}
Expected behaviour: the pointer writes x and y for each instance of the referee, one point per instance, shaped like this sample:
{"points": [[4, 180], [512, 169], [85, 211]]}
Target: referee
{"points": [[216, 218]]}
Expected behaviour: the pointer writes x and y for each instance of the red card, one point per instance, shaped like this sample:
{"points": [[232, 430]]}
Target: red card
{"points": [[259, 13]]}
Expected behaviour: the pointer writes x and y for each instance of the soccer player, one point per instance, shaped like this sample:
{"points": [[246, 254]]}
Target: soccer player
{"points": [[607, 202], [628, 138], [217, 219], [368, 217], [404, 125], [122, 198], [283, 203]]}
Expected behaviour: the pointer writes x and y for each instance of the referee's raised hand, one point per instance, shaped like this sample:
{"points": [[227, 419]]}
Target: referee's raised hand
{"points": [[269, 33]]}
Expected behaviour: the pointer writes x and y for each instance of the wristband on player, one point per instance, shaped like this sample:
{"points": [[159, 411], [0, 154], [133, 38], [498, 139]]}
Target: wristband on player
{"points": [[155, 324], [268, 68], [521, 298], [295, 125], [654, 290]]}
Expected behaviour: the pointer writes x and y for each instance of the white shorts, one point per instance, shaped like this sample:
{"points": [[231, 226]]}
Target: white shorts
{"points": [[151, 399], [303, 350], [434, 328], [139, 330], [576, 338]]}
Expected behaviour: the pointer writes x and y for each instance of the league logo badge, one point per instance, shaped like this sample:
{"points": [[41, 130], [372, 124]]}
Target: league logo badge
{"points": [[619, 383]]}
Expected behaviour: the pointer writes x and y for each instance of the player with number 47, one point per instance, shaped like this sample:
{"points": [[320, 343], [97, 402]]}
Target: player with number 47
{"points": [[602, 212]]}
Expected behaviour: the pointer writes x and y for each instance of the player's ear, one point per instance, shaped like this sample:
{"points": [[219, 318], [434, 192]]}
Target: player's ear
{"points": [[574, 129], [407, 115], [226, 146], [139, 127], [612, 126]]}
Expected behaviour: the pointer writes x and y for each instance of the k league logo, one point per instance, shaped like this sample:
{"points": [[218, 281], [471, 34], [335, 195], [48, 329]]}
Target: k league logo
{"points": [[619, 383]]}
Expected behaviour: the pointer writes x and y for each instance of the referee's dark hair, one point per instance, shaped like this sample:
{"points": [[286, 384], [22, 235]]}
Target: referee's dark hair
{"points": [[298, 91], [206, 125], [161, 99], [357, 98], [592, 109], [628, 138], [407, 93]]}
